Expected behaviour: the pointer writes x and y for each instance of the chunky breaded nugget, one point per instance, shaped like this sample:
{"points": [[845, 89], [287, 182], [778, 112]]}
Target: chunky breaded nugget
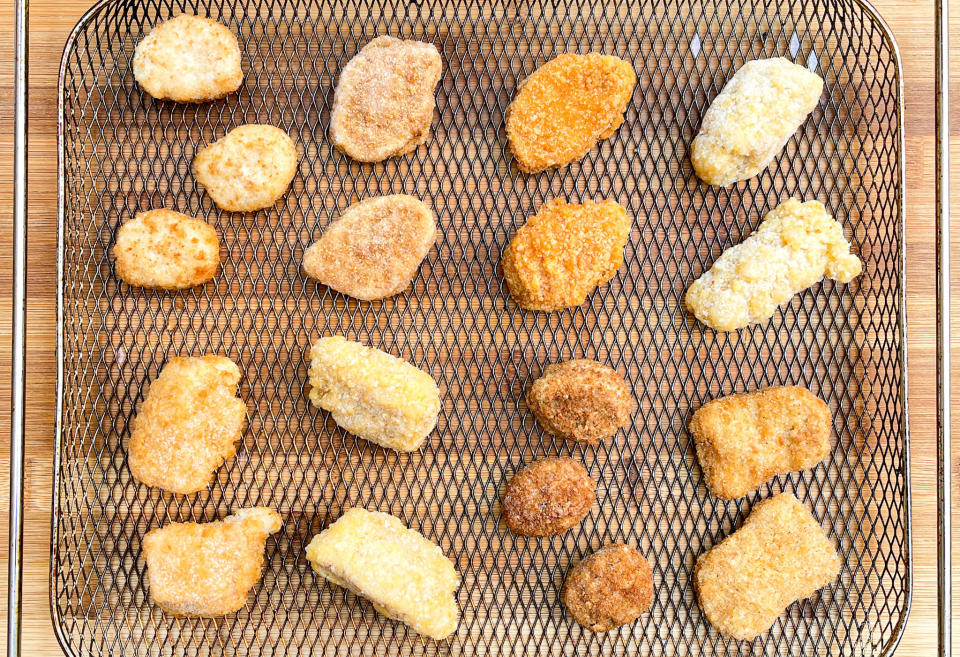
{"points": [[372, 394], [248, 169], [564, 252], [384, 100], [794, 247], [548, 497], [751, 120], [744, 440], [188, 59], [208, 569], [780, 555], [375, 248], [565, 107], [188, 425], [402, 573], [165, 249], [611, 587]]}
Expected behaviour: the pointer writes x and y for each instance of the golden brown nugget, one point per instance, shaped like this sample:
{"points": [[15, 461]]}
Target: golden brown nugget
{"points": [[611, 587], [375, 248], [384, 100], [581, 400], [401, 572], [167, 250], [564, 252], [188, 59], [188, 425], [565, 107], [248, 169], [208, 569], [548, 497], [780, 555], [744, 440], [794, 247], [752, 119]]}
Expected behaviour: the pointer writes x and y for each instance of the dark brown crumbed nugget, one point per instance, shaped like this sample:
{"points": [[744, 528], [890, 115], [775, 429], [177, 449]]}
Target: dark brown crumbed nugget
{"points": [[548, 497], [609, 588]]}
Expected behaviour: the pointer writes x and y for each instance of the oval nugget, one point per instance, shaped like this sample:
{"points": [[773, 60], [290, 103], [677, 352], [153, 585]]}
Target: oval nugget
{"points": [[548, 497], [611, 587]]}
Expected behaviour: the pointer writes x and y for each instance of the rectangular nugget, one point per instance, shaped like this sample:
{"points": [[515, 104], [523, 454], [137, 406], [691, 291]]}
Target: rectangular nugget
{"points": [[778, 556]]}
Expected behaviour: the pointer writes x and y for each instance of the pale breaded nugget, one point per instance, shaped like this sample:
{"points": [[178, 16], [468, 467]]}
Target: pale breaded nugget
{"points": [[581, 400], [401, 572], [208, 569], [744, 440], [374, 395], [548, 497], [188, 59], [248, 169], [611, 587], [188, 425], [564, 252], [165, 249], [375, 248], [751, 120], [780, 555], [384, 100], [794, 247], [565, 107]]}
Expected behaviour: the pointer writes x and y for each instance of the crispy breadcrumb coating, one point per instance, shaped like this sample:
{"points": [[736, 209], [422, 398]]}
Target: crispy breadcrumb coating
{"points": [[548, 497], [609, 588]]}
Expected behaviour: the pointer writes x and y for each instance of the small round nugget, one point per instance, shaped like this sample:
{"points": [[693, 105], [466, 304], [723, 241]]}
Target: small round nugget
{"points": [[548, 497], [611, 587], [188, 59], [248, 169]]}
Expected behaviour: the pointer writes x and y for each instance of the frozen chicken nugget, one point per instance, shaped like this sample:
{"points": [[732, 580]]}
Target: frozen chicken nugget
{"points": [[751, 120], [372, 394], [188, 59], [248, 169], [208, 569], [403, 574], [794, 247], [780, 555], [188, 425], [744, 440], [565, 107]]}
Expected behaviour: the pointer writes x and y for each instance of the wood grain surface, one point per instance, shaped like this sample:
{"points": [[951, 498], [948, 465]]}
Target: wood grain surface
{"points": [[912, 25]]}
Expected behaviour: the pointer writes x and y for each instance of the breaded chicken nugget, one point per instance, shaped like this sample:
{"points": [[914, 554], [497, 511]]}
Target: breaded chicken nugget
{"points": [[208, 569], [548, 497], [565, 107], [384, 100], [564, 252], [794, 247], [372, 394], [744, 440], [165, 249], [780, 555], [375, 248], [401, 572], [248, 169], [188, 425], [611, 587], [188, 59], [751, 120]]}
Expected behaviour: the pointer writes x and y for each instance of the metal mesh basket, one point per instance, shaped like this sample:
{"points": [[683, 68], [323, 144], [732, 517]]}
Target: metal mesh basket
{"points": [[122, 152]]}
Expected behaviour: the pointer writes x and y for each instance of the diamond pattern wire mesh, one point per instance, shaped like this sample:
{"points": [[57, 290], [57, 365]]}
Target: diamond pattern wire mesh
{"points": [[124, 152]]}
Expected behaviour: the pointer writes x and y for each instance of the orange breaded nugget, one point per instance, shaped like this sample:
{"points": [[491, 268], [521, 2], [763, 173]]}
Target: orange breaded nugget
{"points": [[565, 251], [780, 555], [744, 440], [565, 107], [548, 497], [611, 587]]}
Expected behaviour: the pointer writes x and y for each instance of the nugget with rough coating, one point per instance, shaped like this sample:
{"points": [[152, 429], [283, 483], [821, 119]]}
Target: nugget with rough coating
{"points": [[188, 425], [247, 169], [548, 497], [565, 107], [780, 555], [794, 247], [744, 440], [752, 119], [207, 569], [384, 100], [564, 252], [404, 575], [375, 248], [611, 587]]}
